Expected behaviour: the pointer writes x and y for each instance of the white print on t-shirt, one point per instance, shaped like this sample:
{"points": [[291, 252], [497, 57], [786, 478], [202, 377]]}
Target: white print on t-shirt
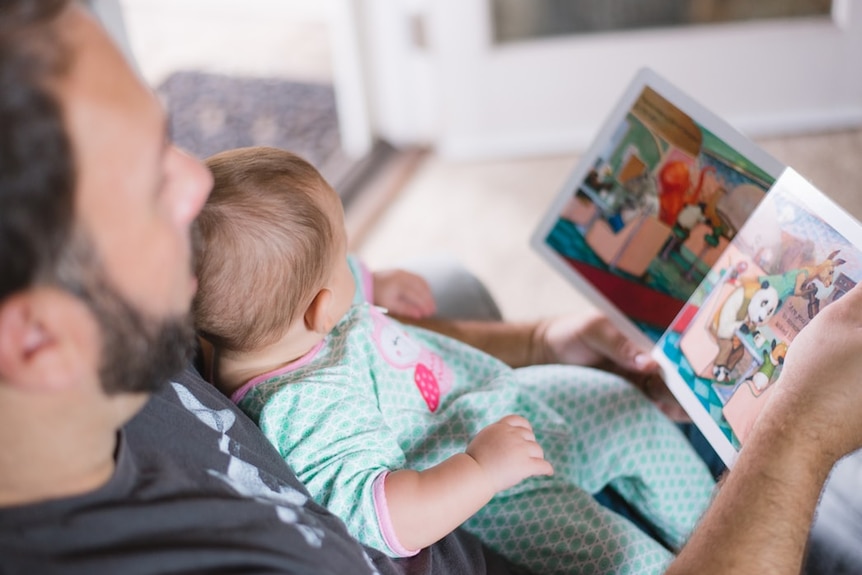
{"points": [[243, 477]]}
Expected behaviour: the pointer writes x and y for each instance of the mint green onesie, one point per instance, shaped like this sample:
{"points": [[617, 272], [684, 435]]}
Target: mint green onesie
{"points": [[377, 396]]}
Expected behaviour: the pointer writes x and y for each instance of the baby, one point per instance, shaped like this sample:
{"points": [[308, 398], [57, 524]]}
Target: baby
{"points": [[407, 434]]}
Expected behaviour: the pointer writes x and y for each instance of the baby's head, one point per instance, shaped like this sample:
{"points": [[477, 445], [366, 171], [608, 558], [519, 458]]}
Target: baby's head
{"points": [[271, 251]]}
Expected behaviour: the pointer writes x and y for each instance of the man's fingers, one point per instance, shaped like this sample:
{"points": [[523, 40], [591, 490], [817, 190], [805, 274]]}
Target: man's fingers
{"points": [[607, 340]]}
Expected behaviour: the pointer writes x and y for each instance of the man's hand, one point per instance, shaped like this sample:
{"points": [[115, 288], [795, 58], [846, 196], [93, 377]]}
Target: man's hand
{"points": [[597, 342], [508, 453], [403, 293], [819, 391], [763, 511]]}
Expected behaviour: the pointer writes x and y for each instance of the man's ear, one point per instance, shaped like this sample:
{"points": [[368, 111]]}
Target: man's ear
{"points": [[318, 317], [48, 340]]}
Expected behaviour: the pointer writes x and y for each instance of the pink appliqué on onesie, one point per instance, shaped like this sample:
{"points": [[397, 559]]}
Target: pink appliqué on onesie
{"points": [[431, 375]]}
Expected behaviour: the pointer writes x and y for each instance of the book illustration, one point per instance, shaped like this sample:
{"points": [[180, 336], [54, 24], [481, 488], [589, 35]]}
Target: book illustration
{"points": [[658, 205], [701, 248], [728, 344]]}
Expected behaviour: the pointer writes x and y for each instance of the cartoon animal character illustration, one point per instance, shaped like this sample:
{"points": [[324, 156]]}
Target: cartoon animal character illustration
{"points": [[430, 373], [641, 198], [675, 184], [824, 273], [770, 368], [689, 216], [749, 305], [809, 282]]}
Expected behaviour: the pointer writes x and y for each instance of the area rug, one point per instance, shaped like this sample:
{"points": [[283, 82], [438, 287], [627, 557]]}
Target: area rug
{"points": [[210, 113]]}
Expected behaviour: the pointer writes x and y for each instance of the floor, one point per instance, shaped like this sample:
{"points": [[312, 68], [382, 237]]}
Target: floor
{"points": [[258, 38], [481, 213]]}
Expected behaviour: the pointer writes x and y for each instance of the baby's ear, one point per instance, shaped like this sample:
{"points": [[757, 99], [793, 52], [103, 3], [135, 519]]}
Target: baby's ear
{"points": [[318, 317]]}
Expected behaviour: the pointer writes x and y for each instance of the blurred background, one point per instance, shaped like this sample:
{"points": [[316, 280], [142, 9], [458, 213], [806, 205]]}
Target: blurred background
{"points": [[449, 126]]}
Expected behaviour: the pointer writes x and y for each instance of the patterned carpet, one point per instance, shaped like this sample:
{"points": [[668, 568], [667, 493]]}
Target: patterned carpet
{"points": [[211, 113]]}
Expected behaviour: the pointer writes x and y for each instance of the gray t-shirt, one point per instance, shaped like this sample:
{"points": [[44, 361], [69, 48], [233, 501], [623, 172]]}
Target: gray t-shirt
{"points": [[198, 489]]}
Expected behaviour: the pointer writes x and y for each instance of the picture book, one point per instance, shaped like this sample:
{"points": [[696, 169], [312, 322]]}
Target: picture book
{"points": [[702, 248]]}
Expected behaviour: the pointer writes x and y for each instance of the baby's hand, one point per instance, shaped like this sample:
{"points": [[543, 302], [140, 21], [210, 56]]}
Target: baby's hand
{"points": [[403, 293], [508, 453]]}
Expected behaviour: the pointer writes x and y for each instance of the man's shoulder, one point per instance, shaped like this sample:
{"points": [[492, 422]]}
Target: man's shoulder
{"points": [[196, 489]]}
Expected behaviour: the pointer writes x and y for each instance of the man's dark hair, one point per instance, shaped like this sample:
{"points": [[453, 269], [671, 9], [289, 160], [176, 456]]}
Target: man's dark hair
{"points": [[37, 175]]}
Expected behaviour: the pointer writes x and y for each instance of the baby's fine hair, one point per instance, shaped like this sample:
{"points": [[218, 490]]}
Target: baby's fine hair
{"points": [[264, 246]]}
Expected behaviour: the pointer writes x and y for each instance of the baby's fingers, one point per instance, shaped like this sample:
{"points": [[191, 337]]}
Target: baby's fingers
{"points": [[534, 460], [516, 421], [533, 454], [539, 467], [418, 297]]}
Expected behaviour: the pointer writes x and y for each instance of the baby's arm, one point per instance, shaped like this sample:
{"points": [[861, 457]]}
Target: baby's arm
{"points": [[424, 506], [402, 293]]}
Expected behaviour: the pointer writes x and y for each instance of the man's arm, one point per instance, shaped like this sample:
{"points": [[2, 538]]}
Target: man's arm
{"points": [[576, 339], [760, 519], [761, 515], [513, 343]]}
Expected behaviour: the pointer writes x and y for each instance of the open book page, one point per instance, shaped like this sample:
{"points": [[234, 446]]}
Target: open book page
{"points": [[723, 353], [652, 206]]}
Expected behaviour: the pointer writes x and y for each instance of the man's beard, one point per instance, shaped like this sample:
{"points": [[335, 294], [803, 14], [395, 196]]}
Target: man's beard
{"points": [[139, 352]]}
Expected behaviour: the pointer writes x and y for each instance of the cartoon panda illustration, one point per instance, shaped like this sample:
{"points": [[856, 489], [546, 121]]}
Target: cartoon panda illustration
{"points": [[751, 304]]}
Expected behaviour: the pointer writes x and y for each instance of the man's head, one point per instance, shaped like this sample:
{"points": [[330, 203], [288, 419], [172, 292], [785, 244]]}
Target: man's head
{"points": [[36, 198], [95, 210], [272, 236]]}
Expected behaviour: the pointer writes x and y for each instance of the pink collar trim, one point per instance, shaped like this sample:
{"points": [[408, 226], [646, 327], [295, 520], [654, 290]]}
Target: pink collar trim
{"points": [[240, 393]]}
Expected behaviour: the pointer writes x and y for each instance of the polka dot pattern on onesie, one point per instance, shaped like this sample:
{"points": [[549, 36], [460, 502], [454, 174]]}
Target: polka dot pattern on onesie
{"points": [[349, 415]]}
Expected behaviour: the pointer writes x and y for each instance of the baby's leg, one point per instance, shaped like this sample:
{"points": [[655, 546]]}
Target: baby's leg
{"points": [[616, 436], [555, 529]]}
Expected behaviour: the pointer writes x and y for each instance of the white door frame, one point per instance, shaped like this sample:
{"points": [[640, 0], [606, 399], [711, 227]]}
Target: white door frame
{"points": [[350, 78], [468, 97]]}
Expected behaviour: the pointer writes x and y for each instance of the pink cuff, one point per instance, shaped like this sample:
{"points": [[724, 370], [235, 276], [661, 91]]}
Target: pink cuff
{"points": [[385, 520]]}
